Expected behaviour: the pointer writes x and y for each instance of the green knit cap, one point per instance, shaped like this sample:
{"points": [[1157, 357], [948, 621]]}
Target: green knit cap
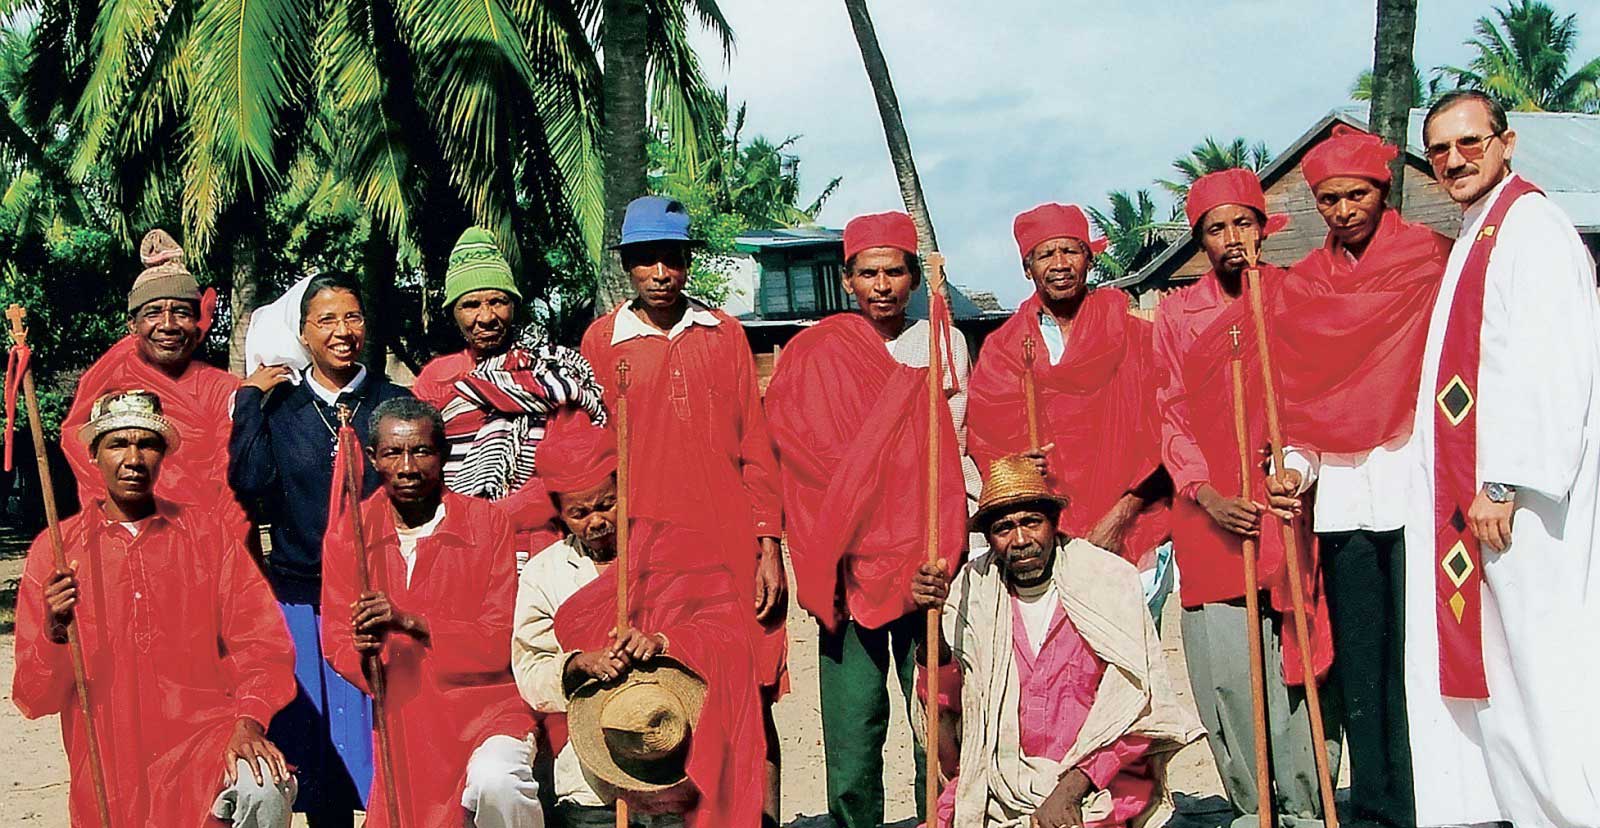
{"points": [[476, 263]]}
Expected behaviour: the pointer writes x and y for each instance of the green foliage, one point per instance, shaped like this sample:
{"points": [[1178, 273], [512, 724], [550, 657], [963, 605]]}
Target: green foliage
{"points": [[1208, 157], [1422, 94], [1132, 230], [1521, 58]]}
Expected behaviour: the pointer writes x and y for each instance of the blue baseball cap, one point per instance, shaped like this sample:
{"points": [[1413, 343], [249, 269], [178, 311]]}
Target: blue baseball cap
{"points": [[655, 218]]}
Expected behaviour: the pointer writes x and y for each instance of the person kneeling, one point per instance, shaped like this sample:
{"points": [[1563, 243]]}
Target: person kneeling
{"points": [[1052, 661], [443, 574]]}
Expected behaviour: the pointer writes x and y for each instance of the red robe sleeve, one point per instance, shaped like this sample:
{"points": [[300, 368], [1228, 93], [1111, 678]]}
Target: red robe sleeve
{"points": [[42, 684], [1179, 451], [473, 636], [257, 650], [758, 461]]}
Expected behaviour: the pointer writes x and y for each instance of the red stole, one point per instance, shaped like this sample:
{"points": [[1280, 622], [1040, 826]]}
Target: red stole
{"points": [[1206, 376], [1348, 346], [1458, 580], [851, 428], [1097, 405]]}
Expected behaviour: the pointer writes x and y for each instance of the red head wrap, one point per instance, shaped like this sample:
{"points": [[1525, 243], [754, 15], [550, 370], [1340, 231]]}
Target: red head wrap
{"points": [[880, 230], [575, 454], [1349, 152], [1235, 186], [1053, 221]]}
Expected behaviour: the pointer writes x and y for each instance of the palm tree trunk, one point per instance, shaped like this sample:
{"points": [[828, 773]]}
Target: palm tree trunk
{"points": [[625, 134], [242, 296], [894, 129], [1392, 81]]}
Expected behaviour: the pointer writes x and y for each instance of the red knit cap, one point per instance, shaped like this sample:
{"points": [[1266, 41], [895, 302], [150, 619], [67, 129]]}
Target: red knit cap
{"points": [[575, 455], [1349, 152], [1234, 186], [1053, 221], [880, 230]]}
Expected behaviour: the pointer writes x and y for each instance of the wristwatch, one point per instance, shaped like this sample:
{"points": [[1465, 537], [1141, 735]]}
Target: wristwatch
{"points": [[1499, 492]]}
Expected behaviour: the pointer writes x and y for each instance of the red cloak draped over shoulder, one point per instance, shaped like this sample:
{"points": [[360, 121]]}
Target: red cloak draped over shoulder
{"points": [[1207, 376], [1097, 405], [1349, 337], [679, 586], [851, 426], [200, 405]]}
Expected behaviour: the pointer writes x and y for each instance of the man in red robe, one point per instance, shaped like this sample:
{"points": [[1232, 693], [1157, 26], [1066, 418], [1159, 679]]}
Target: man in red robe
{"points": [[1094, 374], [185, 653], [167, 320], [496, 394], [1200, 332], [701, 456], [852, 425], [443, 576], [1349, 332], [684, 604]]}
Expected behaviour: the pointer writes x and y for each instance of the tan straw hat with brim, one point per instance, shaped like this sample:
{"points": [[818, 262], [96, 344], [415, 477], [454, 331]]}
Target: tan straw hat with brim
{"points": [[634, 734], [128, 409], [1013, 480]]}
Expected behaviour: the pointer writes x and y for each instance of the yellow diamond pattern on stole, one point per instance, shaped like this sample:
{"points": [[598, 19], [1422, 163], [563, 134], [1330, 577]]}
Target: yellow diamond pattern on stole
{"points": [[1455, 400]]}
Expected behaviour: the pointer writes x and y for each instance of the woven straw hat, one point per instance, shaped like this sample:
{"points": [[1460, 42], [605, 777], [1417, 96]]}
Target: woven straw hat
{"points": [[128, 409], [634, 735], [1012, 480]]}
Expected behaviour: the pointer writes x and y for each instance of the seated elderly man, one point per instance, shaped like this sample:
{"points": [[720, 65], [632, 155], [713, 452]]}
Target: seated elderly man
{"points": [[1052, 663]]}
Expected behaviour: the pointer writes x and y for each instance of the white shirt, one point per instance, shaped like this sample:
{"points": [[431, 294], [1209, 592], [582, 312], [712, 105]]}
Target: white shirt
{"points": [[330, 397], [1037, 605], [629, 325], [1363, 491], [1055, 339], [409, 537], [539, 662]]}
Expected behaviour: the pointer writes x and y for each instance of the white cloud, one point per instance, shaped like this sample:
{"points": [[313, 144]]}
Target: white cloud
{"points": [[1012, 102]]}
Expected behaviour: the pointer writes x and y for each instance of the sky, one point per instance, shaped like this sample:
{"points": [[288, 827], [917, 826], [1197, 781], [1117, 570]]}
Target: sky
{"points": [[1010, 103]]}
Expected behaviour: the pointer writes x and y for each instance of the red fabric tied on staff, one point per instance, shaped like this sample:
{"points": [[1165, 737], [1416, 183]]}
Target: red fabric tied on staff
{"points": [[1097, 405], [1207, 378], [1349, 338], [200, 405], [678, 586], [851, 426]]}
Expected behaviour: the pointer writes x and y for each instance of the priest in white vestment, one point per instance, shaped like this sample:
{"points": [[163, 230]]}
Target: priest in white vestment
{"points": [[1502, 719]]}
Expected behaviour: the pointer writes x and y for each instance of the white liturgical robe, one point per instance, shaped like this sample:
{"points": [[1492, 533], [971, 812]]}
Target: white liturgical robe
{"points": [[1527, 754]]}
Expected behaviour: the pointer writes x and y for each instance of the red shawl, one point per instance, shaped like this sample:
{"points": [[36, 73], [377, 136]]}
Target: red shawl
{"points": [[200, 405], [677, 586], [851, 427], [1349, 344], [1097, 405], [1207, 376]]}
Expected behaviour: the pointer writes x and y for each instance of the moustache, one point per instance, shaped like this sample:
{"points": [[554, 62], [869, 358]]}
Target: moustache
{"points": [[604, 530]]}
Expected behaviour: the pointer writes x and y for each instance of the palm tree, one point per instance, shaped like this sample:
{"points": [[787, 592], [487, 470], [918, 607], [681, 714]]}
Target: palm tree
{"points": [[1422, 92], [1522, 61], [1135, 235], [1394, 88], [1208, 157], [894, 129]]}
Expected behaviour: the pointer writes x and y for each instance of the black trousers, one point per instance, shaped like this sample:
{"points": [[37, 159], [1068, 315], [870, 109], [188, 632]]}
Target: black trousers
{"points": [[1365, 580]]}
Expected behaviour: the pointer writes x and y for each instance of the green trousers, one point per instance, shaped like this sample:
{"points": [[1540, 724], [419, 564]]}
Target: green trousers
{"points": [[855, 714]]}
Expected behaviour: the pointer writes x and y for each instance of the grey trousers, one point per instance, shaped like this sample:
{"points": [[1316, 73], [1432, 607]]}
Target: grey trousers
{"points": [[1217, 649], [248, 805]]}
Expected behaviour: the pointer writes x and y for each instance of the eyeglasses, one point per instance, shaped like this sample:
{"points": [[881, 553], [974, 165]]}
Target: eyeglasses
{"points": [[329, 324], [1469, 147]]}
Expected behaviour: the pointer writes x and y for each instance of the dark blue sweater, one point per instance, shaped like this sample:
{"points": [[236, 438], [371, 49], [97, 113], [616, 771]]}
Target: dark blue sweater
{"points": [[281, 467]]}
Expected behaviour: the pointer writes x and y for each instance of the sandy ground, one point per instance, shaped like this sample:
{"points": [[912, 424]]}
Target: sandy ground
{"points": [[33, 788]]}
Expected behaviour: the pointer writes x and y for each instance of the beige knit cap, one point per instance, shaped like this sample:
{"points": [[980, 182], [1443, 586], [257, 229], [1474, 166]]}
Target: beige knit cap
{"points": [[164, 275]]}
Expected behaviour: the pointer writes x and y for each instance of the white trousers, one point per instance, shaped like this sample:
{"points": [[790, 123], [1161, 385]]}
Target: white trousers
{"points": [[500, 790], [246, 804]]}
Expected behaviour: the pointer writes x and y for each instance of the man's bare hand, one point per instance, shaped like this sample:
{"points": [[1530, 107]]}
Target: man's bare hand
{"points": [[1283, 494], [373, 616], [1041, 458], [60, 597], [1108, 532], [1063, 808], [771, 585], [1491, 521], [598, 664], [634, 647], [930, 586], [1238, 515], [250, 743]]}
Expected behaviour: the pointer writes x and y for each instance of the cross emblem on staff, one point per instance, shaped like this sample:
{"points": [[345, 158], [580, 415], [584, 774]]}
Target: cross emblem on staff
{"points": [[1234, 333]]}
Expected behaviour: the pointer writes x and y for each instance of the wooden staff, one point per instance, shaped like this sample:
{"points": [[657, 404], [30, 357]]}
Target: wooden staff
{"points": [[935, 273], [1030, 400], [1291, 543], [1252, 604], [47, 490], [621, 563], [372, 663]]}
